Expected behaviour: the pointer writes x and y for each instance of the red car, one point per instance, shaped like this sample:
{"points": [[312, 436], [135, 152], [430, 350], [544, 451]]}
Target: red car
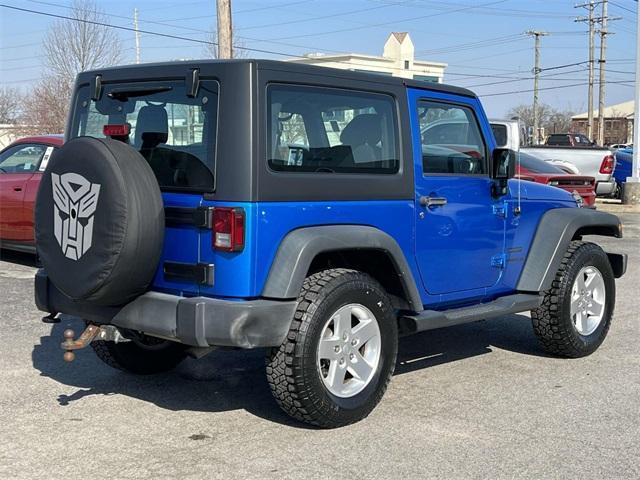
{"points": [[537, 170], [21, 167]]}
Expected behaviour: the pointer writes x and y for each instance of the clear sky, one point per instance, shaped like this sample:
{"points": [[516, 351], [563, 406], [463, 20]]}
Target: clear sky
{"points": [[482, 40]]}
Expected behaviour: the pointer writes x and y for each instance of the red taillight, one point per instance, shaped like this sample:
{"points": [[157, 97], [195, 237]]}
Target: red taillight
{"points": [[116, 130], [228, 229], [608, 163]]}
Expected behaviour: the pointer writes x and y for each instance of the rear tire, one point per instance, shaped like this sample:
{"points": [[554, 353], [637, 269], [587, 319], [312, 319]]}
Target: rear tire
{"points": [[337, 360], [576, 312], [143, 356]]}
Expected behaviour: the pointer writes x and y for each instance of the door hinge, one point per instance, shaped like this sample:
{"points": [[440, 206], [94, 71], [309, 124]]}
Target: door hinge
{"points": [[499, 261], [500, 210]]}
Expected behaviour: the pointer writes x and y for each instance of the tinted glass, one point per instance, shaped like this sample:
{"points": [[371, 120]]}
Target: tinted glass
{"points": [[536, 165], [451, 140], [175, 133], [332, 131], [21, 158], [500, 134], [558, 140]]}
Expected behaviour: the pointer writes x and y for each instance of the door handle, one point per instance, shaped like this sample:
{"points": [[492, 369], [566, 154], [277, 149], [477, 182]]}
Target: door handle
{"points": [[17, 189], [432, 201]]}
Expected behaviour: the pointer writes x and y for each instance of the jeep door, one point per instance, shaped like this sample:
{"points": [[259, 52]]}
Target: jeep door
{"points": [[459, 229]]}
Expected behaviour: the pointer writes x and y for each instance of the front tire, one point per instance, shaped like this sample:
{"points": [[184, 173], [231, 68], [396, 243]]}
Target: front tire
{"points": [[338, 358], [576, 311]]}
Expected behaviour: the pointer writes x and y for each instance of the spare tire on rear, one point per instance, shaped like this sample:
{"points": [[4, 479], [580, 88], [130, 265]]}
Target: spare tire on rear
{"points": [[99, 221]]}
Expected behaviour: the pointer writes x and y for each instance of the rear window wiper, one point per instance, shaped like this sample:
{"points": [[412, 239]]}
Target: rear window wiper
{"points": [[123, 94]]}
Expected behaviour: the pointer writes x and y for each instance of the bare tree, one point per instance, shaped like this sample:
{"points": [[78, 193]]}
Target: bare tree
{"points": [[73, 46], [10, 100], [551, 119], [45, 108], [70, 46], [210, 49]]}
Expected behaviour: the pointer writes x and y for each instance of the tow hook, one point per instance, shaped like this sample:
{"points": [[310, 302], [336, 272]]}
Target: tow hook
{"points": [[91, 333], [85, 338]]}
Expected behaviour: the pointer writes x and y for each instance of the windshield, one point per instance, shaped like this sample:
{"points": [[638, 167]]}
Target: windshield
{"points": [[175, 133], [535, 165]]}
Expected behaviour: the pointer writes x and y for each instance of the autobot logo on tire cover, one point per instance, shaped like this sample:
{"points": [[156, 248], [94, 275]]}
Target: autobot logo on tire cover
{"points": [[75, 200]]}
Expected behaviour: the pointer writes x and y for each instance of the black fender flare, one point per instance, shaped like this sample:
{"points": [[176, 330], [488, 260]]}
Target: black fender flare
{"points": [[299, 247], [556, 229]]}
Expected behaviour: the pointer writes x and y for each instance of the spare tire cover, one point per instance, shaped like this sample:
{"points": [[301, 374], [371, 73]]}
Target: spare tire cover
{"points": [[99, 221]]}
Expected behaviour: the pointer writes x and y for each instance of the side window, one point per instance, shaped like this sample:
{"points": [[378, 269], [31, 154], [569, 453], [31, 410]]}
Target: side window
{"points": [[21, 159], [328, 130], [451, 140]]}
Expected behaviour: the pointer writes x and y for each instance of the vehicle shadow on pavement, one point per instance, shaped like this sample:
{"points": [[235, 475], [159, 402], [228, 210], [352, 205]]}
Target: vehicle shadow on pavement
{"points": [[228, 380], [20, 258], [436, 347]]}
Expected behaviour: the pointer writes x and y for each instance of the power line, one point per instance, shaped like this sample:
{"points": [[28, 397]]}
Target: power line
{"points": [[558, 87], [148, 32], [410, 19]]}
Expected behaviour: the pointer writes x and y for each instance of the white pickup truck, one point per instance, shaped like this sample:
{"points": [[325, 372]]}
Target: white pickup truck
{"points": [[598, 162]]}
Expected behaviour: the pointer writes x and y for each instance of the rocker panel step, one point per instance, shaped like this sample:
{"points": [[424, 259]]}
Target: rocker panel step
{"points": [[432, 319]]}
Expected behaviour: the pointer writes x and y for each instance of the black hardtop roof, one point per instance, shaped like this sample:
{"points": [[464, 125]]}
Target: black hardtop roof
{"points": [[276, 65]]}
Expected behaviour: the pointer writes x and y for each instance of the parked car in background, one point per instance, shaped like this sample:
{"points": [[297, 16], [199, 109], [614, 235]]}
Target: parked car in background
{"points": [[618, 146], [624, 162], [509, 134], [568, 140], [597, 162], [565, 166], [536, 170], [21, 167]]}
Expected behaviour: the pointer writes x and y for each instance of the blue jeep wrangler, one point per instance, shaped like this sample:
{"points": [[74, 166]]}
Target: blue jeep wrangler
{"points": [[315, 212]]}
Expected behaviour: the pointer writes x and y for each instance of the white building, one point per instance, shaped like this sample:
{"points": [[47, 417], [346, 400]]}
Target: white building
{"points": [[398, 60]]}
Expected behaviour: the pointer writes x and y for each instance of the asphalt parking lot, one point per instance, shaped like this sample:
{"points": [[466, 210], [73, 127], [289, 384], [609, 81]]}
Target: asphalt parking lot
{"points": [[474, 401]]}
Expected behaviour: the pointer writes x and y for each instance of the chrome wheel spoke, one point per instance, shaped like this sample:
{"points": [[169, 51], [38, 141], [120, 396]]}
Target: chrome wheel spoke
{"points": [[580, 281], [342, 322], [329, 348], [335, 377], [359, 367], [596, 309], [365, 331], [575, 305]]}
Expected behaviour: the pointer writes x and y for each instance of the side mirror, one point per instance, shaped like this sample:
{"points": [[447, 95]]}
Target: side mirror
{"points": [[503, 167], [503, 164]]}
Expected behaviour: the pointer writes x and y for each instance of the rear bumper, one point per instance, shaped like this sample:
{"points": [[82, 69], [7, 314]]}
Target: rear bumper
{"points": [[605, 188], [196, 321]]}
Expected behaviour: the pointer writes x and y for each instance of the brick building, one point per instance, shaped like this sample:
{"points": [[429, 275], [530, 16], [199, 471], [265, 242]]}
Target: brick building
{"points": [[618, 123]]}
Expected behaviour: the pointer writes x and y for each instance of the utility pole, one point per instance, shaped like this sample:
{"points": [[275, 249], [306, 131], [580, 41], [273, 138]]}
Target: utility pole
{"points": [[135, 27], [225, 31], [601, 76], [604, 19], [590, 6], [631, 191], [536, 80]]}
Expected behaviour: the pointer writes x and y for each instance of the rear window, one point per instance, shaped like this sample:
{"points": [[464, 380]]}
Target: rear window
{"points": [[558, 140], [175, 133], [330, 130], [500, 134]]}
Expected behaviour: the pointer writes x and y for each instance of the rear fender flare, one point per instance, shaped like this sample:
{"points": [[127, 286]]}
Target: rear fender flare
{"points": [[299, 247]]}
